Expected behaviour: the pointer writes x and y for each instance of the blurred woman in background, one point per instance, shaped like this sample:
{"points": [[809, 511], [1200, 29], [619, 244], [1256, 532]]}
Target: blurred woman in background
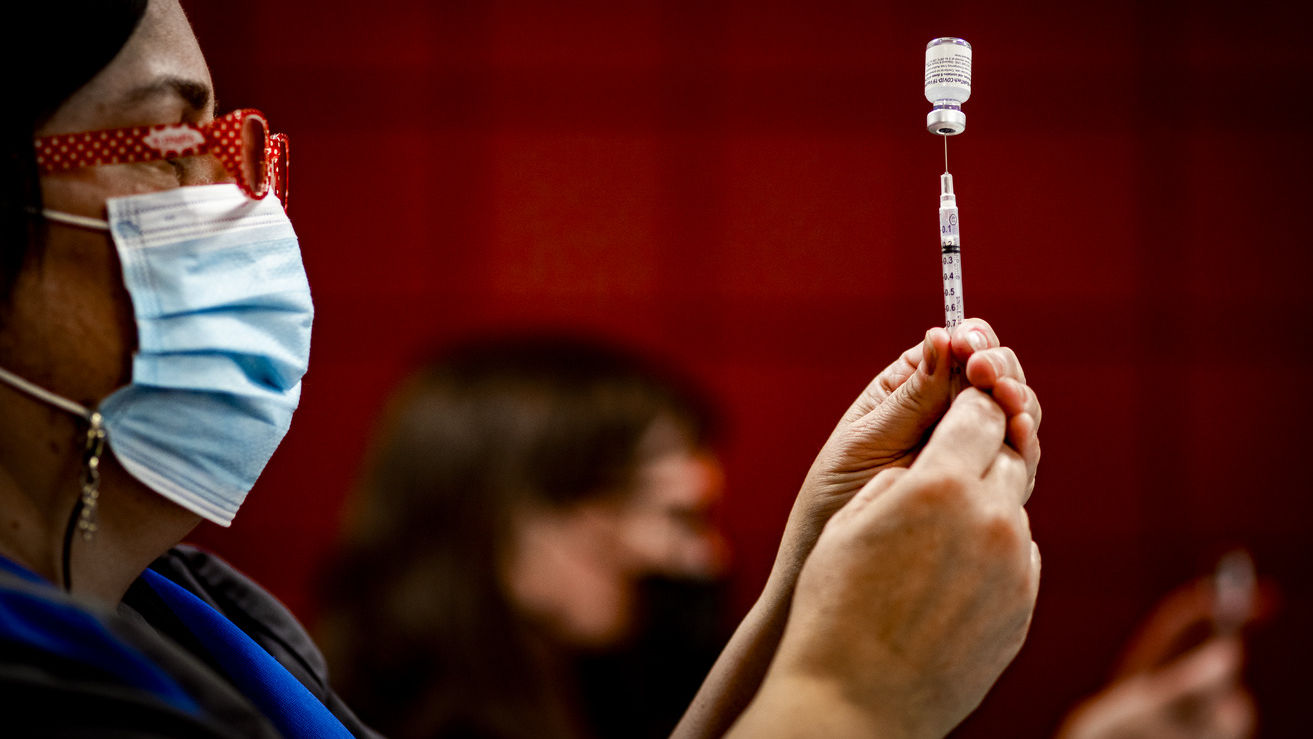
{"points": [[520, 493]]}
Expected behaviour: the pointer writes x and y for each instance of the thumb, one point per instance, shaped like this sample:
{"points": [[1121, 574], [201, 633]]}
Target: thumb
{"points": [[921, 400]]}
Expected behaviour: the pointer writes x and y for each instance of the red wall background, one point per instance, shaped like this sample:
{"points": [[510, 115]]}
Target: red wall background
{"points": [[747, 189]]}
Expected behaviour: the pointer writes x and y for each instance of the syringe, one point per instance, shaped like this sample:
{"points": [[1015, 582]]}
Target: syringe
{"points": [[947, 87], [950, 249], [1235, 589]]}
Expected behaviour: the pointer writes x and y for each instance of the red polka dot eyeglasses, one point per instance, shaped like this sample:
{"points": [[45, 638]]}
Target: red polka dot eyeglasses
{"points": [[240, 140]]}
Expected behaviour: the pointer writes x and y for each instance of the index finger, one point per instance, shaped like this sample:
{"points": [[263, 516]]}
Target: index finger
{"points": [[973, 335], [968, 438]]}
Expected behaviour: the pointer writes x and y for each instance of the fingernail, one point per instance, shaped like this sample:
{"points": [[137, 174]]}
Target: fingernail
{"points": [[929, 356], [977, 340]]}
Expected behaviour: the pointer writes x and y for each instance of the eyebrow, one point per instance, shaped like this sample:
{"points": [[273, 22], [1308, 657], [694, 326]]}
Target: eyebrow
{"points": [[196, 94]]}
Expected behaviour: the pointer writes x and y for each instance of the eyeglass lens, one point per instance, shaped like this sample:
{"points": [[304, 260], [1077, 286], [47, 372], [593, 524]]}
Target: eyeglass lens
{"points": [[254, 137]]}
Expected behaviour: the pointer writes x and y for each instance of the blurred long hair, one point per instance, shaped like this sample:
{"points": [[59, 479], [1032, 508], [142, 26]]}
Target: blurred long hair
{"points": [[420, 635]]}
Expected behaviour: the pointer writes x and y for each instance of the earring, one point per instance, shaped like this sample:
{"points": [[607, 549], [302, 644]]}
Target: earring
{"points": [[91, 475]]}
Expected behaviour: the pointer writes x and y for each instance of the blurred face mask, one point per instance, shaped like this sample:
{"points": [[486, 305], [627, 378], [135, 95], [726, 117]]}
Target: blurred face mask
{"points": [[223, 317]]}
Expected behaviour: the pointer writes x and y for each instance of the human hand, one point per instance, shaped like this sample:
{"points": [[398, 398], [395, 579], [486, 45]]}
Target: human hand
{"points": [[882, 434], [1161, 688], [887, 425], [918, 594], [1198, 696]]}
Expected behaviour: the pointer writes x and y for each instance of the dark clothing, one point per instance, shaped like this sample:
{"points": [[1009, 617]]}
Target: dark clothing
{"points": [[68, 669], [640, 690]]}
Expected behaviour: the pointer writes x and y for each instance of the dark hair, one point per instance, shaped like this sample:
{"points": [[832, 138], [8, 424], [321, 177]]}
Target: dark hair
{"points": [[49, 49], [422, 639]]}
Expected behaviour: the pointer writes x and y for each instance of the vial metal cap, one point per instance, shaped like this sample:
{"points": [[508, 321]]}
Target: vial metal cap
{"points": [[948, 40], [946, 121]]}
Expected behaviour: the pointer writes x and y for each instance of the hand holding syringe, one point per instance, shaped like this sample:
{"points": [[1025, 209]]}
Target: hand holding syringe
{"points": [[1171, 684]]}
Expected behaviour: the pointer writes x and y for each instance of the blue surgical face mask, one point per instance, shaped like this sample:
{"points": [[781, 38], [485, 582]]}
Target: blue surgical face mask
{"points": [[223, 338]]}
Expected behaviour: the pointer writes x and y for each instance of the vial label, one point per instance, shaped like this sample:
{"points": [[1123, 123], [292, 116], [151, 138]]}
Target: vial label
{"points": [[948, 74]]}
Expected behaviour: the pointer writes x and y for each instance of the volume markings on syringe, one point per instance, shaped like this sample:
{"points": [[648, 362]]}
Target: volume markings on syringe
{"points": [[950, 248]]}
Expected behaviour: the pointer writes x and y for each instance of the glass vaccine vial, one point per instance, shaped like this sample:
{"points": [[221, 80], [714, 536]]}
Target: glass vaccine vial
{"points": [[947, 84]]}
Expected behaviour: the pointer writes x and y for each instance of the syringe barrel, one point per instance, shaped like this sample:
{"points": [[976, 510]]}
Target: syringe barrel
{"points": [[950, 249]]}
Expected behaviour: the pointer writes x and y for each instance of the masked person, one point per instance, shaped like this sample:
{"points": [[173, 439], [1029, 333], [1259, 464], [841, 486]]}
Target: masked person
{"points": [[529, 499], [156, 326], [153, 333]]}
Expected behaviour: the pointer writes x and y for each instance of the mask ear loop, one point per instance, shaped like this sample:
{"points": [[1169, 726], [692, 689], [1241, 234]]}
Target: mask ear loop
{"points": [[70, 219], [83, 516]]}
